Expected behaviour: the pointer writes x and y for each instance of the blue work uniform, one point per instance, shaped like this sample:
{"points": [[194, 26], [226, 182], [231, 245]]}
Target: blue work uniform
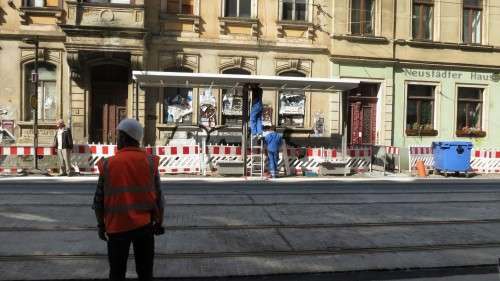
{"points": [[273, 143], [256, 115]]}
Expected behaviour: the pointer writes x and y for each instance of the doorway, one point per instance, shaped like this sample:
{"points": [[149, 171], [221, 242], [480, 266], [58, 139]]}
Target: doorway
{"points": [[362, 114], [108, 102]]}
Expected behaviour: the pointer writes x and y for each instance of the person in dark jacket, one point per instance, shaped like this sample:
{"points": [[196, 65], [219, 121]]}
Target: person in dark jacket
{"points": [[273, 142], [63, 142]]}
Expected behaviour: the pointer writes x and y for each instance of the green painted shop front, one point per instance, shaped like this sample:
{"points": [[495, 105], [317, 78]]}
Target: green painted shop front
{"points": [[434, 104], [368, 108]]}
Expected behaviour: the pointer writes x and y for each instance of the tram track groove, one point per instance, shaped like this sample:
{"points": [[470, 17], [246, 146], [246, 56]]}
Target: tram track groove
{"points": [[223, 204], [248, 192], [268, 254], [271, 226]]}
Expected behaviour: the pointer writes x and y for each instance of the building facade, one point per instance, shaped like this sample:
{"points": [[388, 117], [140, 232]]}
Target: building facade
{"points": [[427, 68]]}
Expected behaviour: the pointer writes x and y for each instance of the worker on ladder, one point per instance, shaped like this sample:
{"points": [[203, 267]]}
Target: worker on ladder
{"points": [[273, 142], [256, 111]]}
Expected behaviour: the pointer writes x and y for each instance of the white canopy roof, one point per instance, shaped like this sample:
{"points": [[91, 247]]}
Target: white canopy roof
{"points": [[225, 81]]}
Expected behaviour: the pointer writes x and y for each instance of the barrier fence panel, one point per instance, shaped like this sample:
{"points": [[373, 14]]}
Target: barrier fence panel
{"points": [[423, 153], [485, 161], [386, 158], [178, 159]]}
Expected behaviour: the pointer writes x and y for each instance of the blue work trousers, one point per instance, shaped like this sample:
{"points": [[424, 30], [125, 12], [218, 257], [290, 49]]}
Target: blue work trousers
{"points": [[273, 158], [256, 123]]}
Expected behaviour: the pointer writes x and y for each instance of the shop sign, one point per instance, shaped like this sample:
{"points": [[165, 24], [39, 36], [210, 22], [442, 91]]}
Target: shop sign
{"points": [[449, 74]]}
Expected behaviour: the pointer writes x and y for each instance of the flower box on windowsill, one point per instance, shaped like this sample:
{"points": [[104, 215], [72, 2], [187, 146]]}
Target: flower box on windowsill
{"points": [[471, 134], [422, 132]]}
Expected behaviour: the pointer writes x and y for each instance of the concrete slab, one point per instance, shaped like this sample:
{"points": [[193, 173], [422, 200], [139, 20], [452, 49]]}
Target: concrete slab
{"points": [[96, 267], [224, 241], [248, 198]]}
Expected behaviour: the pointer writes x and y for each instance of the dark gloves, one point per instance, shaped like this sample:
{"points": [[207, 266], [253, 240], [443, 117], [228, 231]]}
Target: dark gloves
{"points": [[158, 229], [102, 233]]}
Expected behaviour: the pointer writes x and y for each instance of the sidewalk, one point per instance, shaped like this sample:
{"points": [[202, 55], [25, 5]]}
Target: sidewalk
{"points": [[371, 177]]}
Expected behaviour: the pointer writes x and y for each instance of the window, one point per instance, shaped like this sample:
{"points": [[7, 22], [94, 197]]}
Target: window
{"points": [[362, 17], [178, 103], [291, 105], [423, 19], [48, 101], [472, 25], [175, 7], [110, 1], [238, 8], [420, 108], [294, 10], [469, 109], [232, 101], [41, 3]]}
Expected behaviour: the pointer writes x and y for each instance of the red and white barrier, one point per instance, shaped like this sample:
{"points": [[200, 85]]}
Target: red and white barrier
{"points": [[423, 153], [13, 151], [485, 161], [178, 159]]}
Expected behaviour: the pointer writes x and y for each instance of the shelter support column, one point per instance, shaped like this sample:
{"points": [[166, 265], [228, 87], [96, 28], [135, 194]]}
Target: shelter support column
{"points": [[335, 114]]}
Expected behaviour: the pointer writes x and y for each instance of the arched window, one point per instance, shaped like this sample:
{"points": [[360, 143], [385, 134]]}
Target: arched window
{"points": [[291, 104], [48, 99], [178, 103], [232, 101]]}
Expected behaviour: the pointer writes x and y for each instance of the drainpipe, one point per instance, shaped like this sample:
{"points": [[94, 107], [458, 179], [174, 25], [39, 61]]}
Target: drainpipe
{"points": [[394, 64]]}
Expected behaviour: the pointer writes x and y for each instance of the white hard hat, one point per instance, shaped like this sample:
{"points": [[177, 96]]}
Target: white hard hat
{"points": [[132, 128]]}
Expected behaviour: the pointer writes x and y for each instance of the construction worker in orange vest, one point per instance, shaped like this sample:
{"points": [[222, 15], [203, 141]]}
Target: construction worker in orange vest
{"points": [[128, 203]]}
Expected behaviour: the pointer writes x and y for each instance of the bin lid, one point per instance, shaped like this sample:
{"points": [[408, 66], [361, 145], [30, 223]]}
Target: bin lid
{"points": [[452, 143]]}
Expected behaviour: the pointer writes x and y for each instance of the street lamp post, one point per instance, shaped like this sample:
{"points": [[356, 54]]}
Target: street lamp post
{"points": [[34, 99]]}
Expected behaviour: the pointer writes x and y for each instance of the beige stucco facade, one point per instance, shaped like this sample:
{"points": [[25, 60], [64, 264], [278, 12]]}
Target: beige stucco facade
{"points": [[82, 39]]}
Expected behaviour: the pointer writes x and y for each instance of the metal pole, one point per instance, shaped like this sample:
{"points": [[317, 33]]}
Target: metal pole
{"points": [[244, 128], [136, 101], [35, 118]]}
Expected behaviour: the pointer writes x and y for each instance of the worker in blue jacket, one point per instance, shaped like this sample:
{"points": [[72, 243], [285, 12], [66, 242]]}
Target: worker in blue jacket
{"points": [[273, 143], [256, 111]]}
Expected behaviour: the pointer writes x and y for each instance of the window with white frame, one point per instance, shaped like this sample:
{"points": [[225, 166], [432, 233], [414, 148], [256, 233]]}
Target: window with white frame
{"points": [[423, 19], [469, 109], [47, 97], [472, 21], [238, 8], [296, 10], [420, 107], [174, 7], [362, 17]]}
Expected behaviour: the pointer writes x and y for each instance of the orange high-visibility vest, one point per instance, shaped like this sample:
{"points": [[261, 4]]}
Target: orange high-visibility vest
{"points": [[130, 199]]}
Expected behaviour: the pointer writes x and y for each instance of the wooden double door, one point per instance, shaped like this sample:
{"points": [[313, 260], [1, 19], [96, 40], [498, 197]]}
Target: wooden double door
{"points": [[362, 111], [109, 105]]}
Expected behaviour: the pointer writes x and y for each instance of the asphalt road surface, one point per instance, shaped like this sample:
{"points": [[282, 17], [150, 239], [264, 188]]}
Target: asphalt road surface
{"points": [[319, 230]]}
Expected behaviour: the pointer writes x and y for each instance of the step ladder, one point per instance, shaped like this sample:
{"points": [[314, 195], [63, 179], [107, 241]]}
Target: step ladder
{"points": [[257, 157]]}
